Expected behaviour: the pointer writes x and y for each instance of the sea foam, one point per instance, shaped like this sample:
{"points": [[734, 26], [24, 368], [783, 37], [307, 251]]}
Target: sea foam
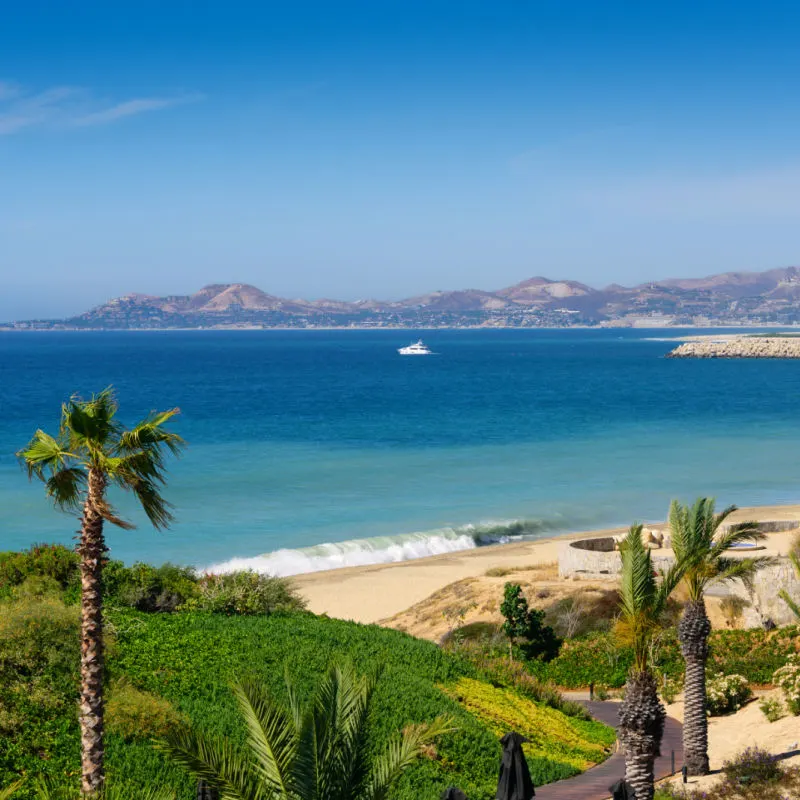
{"points": [[385, 549]]}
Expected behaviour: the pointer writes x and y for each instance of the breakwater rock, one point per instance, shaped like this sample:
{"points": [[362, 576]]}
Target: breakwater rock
{"points": [[744, 347]]}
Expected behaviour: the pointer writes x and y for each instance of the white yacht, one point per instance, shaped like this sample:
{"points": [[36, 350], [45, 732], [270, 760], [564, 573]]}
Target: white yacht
{"points": [[416, 349]]}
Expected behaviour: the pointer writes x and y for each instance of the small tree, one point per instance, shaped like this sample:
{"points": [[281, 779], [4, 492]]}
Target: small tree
{"points": [[525, 626]]}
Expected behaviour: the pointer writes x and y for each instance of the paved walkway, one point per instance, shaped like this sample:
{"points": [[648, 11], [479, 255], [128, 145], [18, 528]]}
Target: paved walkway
{"points": [[593, 784]]}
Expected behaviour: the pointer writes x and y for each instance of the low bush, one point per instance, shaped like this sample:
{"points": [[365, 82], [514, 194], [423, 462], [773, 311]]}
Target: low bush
{"points": [[148, 588], [771, 708], [246, 592], [670, 689], [726, 694], [41, 560], [753, 766], [134, 714], [787, 678], [39, 655], [732, 608]]}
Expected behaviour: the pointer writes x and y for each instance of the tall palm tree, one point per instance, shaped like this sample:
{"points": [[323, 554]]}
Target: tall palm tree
{"points": [[643, 601], [321, 752], [91, 452], [794, 559], [700, 545]]}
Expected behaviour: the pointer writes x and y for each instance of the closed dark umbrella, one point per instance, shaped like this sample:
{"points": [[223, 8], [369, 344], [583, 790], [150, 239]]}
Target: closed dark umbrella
{"points": [[206, 792], [454, 794], [515, 778], [622, 790]]}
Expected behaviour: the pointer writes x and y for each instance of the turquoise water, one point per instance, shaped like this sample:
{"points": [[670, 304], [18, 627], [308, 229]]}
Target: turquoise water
{"points": [[320, 448]]}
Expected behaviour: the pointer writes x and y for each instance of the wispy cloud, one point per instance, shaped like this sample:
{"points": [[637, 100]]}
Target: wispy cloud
{"points": [[72, 106]]}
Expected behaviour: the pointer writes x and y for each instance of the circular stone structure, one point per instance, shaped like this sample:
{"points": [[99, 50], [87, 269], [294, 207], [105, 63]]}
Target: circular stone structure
{"points": [[597, 559]]}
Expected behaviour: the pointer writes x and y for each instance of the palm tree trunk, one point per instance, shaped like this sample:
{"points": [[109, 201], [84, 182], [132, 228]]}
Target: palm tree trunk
{"points": [[641, 727], [693, 631], [92, 550]]}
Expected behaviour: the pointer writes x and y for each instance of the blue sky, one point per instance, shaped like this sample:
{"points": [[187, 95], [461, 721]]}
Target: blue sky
{"points": [[388, 148]]}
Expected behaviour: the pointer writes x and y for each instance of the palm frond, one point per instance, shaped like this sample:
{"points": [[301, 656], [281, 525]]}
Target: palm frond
{"points": [[66, 487], [793, 606], [670, 578], [90, 423], [150, 434], [9, 791], [272, 737], [109, 514], [743, 569], [216, 762], [154, 505], [402, 752], [44, 455], [638, 582], [700, 548], [736, 534]]}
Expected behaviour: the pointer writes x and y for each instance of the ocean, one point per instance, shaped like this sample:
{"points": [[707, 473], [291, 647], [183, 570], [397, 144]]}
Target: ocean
{"points": [[316, 449]]}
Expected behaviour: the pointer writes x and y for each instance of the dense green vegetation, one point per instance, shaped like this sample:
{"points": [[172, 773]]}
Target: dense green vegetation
{"points": [[755, 654], [173, 669]]}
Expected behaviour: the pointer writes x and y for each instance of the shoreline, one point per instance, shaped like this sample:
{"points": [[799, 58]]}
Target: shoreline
{"points": [[375, 592]]}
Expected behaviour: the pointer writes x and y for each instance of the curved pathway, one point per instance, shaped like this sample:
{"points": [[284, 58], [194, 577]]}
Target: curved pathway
{"points": [[593, 784]]}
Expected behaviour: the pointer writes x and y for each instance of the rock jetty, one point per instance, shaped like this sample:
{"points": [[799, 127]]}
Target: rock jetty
{"points": [[743, 347]]}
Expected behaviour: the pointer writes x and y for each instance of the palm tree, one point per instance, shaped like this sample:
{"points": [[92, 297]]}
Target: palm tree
{"points": [[318, 753], [794, 559], [700, 546], [643, 600], [92, 452]]}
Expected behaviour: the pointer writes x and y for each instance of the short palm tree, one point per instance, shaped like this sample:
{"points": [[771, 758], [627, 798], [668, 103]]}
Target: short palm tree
{"points": [[318, 753], [700, 545], [643, 601], [91, 452]]}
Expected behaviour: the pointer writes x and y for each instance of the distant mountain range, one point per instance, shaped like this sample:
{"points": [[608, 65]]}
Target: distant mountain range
{"points": [[731, 298]]}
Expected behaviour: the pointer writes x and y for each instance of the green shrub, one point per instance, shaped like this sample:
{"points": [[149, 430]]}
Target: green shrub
{"points": [[147, 588], [247, 592], [726, 694], [41, 560], [134, 714], [39, 636], [771, 708], [39, 655]]}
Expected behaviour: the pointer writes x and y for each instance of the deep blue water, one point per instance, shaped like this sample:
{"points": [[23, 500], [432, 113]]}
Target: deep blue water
{"points": [[302, 438]]}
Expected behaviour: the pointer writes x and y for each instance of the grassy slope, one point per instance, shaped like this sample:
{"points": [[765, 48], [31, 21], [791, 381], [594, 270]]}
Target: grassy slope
{"points": [[191, 658]]}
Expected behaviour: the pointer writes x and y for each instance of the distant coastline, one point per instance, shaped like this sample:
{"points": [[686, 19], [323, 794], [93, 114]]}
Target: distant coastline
{"points": [[734, 299]]}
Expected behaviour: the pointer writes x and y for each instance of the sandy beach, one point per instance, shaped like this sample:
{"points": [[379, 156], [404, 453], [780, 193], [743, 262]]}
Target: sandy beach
{"points": [[373, 593]]}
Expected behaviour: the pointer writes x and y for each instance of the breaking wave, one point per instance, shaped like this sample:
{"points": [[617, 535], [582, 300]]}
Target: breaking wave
{"points": [[388, 549]]}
